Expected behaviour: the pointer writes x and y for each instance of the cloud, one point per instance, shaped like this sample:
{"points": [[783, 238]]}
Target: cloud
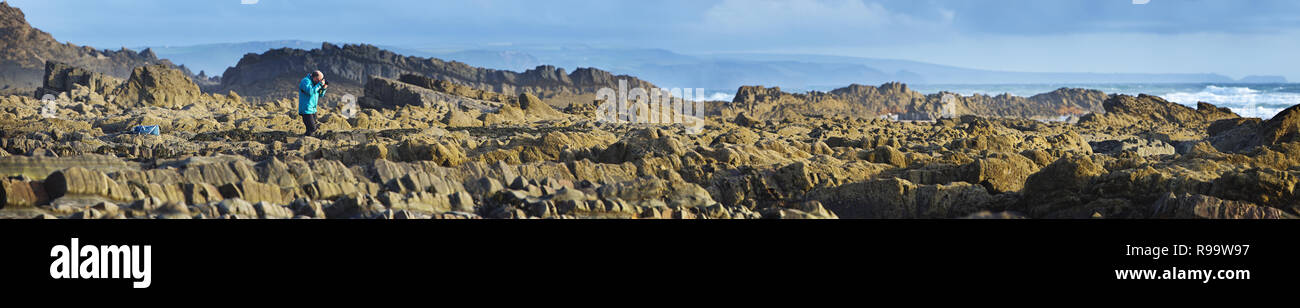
{"points": [[948, 15]]}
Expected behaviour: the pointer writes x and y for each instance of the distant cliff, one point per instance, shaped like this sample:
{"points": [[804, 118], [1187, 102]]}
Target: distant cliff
{"points": [[24, 51], [275, 73]]}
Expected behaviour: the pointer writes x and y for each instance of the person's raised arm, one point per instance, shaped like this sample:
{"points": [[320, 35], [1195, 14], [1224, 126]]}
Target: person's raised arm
{"points": [[305, 86]]}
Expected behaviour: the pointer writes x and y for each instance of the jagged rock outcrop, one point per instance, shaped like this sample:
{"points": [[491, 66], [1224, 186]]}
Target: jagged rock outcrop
{"points": [[273, 74], [1000, 173], [1284, 127], [1139, 146], [389, 93], [15, 193], [1261, 186], [1057, 191], [60, 78], [158, 85], [449, 87], [451, 107], [1152, 111], [535, 107], [898, 198], [1234, 135], [83, 95], [1187, 206], [896, 100], [82, 182]]}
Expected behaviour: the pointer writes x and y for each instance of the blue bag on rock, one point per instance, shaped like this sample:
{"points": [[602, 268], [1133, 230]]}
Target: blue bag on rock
{"points": [[146, 130]]}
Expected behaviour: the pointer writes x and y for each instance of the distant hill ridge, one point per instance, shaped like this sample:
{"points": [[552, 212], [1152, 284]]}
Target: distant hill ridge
{"points": [[25, 49]]}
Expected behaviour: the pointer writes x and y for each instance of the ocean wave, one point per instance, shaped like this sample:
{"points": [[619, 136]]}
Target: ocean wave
{"points": [[1229, 90], [1244, 101]]}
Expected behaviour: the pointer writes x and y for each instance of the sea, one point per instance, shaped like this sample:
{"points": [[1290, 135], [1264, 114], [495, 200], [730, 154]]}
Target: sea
{"points": [[1263, 100]]}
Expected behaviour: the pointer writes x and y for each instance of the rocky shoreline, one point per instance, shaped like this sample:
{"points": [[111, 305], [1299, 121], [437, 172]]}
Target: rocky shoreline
{"points": [[423, 148]]}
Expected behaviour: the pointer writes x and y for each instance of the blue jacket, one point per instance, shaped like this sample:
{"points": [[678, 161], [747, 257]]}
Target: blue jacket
{"points": [[308, 95]]}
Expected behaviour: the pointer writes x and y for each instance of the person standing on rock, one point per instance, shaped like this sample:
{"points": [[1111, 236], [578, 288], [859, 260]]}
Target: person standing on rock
{"points": [[310, 90]]}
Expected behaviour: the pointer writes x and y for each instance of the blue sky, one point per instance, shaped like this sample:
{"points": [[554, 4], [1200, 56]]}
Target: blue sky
{"points": [[1232, 37]]}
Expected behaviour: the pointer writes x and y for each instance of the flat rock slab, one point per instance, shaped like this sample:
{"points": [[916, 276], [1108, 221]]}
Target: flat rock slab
{"points": [[38, 168]]}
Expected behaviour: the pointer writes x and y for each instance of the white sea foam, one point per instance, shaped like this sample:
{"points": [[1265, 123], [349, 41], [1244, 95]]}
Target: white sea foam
{"points": [[722, 96], [1229, 90], [1244, 101]]}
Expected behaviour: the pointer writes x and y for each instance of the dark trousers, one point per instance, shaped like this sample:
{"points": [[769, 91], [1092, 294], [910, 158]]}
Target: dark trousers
{"points": [[309, 120]]}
